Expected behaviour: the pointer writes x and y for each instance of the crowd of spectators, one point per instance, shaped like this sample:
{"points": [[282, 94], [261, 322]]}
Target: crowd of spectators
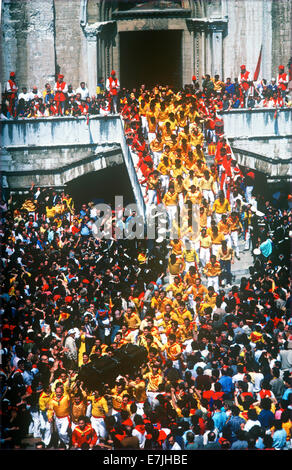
{"points": [[217, 372], [223, 95]]}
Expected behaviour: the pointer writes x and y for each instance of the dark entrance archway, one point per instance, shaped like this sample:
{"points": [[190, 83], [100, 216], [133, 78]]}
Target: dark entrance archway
{"points": [[151, 57], [102, 186]]}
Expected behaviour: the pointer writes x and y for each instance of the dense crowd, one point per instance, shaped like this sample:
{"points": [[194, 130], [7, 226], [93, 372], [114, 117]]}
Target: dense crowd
{"points": [[243, 91], [217, 370]]}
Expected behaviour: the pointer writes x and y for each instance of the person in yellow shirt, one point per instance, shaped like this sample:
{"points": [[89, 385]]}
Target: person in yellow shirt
{"points": [[162, 114], [183, 313], [59, 411], [45, 426], [50, 212], [190, 164], [199, 154], [184, 134], [190, 277], [213, 270], [178, 169], [143, 110], [235, 229], [196, 137], [194, 195], [190, 257], [188, 331], [190, 180], [99, 410], [166, 133], [221, 206], [156, 146], [162, 301], [176, 247], [173, 145], [205, 247], [224, 227], [133, 322], [185, 148], [179, 189], [207, 186], [182, 120], [137, 388], [216, 237], [127, 335], [225, 256], [78, 408], [170, 200], [172, 121], [153, 379], [173, 351], [116, 395], [164, 168], [62, 380], [200, 168], [198, 289], [175, 285]]}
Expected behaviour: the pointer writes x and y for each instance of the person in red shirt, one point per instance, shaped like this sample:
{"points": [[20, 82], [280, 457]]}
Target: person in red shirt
{"points": [[244, 82], [282, 80], [113, 86], [60, 90], [11, 93], [83, 434]]}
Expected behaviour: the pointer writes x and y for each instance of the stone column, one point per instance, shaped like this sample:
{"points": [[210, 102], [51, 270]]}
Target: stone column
{"points": [[217, 50], [92, 62]]}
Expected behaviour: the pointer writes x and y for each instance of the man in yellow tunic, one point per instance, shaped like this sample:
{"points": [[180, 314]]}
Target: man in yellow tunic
{"points": [[99, 410], [59, 412]]}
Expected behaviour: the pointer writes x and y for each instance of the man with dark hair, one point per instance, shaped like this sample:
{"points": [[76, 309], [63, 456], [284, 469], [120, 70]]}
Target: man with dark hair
{"points": [[212, 443], [83, 433]]}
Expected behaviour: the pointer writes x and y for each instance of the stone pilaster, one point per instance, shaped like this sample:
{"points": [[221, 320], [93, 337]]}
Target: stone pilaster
{"points": [[91, 35]]}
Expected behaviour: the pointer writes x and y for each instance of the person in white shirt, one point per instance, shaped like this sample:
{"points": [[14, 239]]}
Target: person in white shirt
{"points": [[83, 90], [24, 95], [35, 93], [252, 420]]}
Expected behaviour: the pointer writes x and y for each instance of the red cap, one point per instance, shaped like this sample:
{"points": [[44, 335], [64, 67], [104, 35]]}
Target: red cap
{"points": [[12, 74], [113, 72], [242, 66], [194, 78], [281, 67], [60, 76]]}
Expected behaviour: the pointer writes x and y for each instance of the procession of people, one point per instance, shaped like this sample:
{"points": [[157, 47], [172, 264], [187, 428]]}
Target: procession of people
{"points": [[218, 350]]}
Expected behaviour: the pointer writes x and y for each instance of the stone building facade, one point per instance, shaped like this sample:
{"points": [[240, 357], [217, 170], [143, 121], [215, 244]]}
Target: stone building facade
{"points": [[165, 41]]}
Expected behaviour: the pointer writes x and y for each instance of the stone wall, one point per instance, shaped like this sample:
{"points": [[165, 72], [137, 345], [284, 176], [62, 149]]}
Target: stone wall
{"points": [[71, 52], [28, 42], [281, 27], [249, 26], [257, 122]]}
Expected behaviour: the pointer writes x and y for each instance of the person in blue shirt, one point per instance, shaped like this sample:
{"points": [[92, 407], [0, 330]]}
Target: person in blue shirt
{"points": [[266, 417], [234, 423], [229, 87], [227, 385], [279, 436], [235, 102], [219, 417]]}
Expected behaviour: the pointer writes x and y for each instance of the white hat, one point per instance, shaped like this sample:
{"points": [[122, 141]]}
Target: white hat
{"points": [[71, 332], [256, 251]]}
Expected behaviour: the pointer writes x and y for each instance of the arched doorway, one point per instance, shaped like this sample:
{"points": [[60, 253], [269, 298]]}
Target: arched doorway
{"points": [[102, 186]]}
